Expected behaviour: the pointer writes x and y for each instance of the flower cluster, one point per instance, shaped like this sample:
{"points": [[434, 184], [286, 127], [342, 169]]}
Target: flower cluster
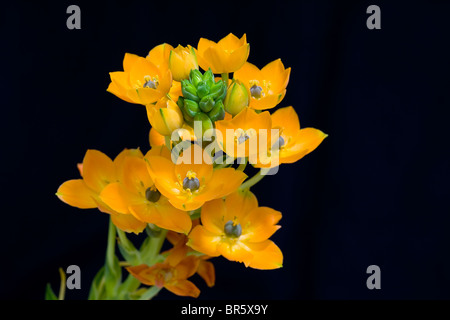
{"points": [[190, 187]]}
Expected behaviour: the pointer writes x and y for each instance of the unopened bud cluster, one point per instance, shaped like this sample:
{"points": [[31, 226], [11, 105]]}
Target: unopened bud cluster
{"points": [[202, 98]]}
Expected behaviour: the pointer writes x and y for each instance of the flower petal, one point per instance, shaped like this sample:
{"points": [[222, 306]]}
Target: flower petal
{"points": [[118, 198], [204, 241], [226, 181], [183, 288], [163, 215], [207, 272], [77, 194], [304, 142], [287, 120], [128, 223], [235, 251], [239, 204], [266, 255], [237, 58], [212, 216], [98, 170], [260, 224], [129, 60]]}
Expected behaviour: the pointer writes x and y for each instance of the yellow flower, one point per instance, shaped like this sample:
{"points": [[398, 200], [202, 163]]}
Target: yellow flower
{"points": [[171, 274], [228, 55], [293, 143], [181, 61], [141, 82], [267, 86], [189, 185], [165, 116], [98, 171], [239, 230], [237, 98], [247, 129], [136, 194]]}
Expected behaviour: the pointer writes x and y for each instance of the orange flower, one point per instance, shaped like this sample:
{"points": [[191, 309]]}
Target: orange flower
{"points": [[293, 143], [248, 132], [98, 171], [205, 268], [189, 185], [239, 230], [136, 194], [172, 274], [228, 55], [141, 82], [267, 86]]}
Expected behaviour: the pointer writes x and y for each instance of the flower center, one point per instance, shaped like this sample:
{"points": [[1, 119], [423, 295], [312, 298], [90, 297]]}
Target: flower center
{"points": [[191, 181], [152, 194], [241, 135], [256, 92], [151, 82], [164, 276], [232, 230], [279, 143]]}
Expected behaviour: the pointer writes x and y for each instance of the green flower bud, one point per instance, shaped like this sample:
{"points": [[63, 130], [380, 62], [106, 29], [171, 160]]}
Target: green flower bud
{"points": [[202, 89], [180, 102], [206, 123], [217, 90], [208, 78], [237, 98], [206, 103], [195, 77], [191, 107], [218, 112], [189, 91]]}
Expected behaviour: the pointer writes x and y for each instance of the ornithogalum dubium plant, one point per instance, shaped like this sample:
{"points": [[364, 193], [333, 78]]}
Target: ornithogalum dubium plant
{"points": [[209, 111]]}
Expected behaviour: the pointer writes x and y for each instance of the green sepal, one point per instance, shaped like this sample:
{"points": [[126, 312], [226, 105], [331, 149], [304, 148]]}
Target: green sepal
{"points": [[49, 293]]}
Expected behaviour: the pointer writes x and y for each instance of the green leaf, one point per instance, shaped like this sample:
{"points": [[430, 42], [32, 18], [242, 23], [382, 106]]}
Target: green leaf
{"points": [[49, 294], [97, 290]]}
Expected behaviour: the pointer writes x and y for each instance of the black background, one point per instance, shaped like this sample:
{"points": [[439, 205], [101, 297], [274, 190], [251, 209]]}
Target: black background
{"points": [[375, 191]]}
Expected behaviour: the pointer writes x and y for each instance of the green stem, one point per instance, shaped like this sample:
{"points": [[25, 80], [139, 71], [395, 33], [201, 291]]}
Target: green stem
{"points": [[252, 181], [224, 163], [110, 249], [129, 285], [150, 293], [225, 78], [151, 251], [243, 164]]}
